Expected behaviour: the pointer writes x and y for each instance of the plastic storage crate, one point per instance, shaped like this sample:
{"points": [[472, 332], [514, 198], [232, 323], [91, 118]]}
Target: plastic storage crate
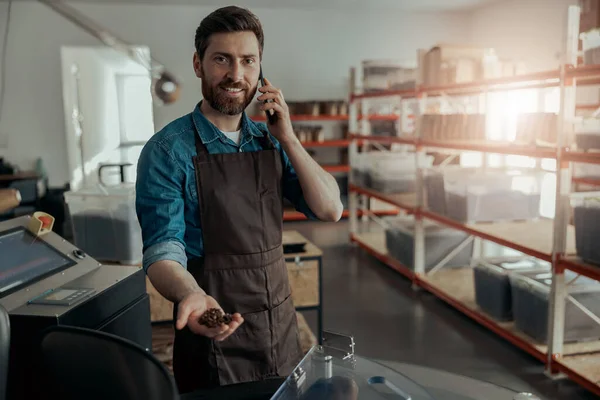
{"points": [[468, 195], [439, 242], [586, 216], [492, 284], [388, 172], [582, 170], [105, 224], [591, 46], [531, 296], [389, 182]]}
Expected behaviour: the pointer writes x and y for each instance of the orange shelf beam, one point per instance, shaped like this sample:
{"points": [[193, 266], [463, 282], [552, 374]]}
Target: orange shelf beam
{"points": [[327, 143], [385, 93], [480, 146], [491, 147], [384, 258], [584, 72], [305, 117], [301, 117], [579, 156], [485, 321], [577, 378], [585, 75], [380, 196], [587, 181], [297, 216], [384, 139], [578, 266], [473, 314], [501, 241], [380, 117], [590, 107], [534, 80]]}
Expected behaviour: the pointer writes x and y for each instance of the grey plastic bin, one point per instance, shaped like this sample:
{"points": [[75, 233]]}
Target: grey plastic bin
{"points": [[439, 241], [492, 284], [105, 224], [470, 195], [531, 292], [390, 184], [492, 206], [586, 217]]}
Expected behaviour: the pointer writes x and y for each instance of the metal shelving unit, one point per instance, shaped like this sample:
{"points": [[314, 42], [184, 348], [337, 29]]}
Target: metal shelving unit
{"points": [[301, 117], [291, 215], [552, 240]]}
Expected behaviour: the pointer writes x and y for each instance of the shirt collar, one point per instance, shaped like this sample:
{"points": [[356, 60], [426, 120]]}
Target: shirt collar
{"points": [[208, 132]]}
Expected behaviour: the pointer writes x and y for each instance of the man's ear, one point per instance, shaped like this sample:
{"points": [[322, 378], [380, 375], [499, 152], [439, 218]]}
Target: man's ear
{"points": [[197, 65]]}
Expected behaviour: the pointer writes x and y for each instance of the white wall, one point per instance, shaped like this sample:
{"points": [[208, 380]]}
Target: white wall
{"points": [[98, 69], [307, 54], [98, 105], [523, 30]]}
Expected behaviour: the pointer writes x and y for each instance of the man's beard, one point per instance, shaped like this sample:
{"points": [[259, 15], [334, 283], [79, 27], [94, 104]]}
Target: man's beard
{"points": [[219, 100]]}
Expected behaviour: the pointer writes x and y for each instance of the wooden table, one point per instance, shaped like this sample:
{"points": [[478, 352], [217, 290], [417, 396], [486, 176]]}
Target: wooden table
{"points": [[305, 274], [306, 277], [19, 176]]}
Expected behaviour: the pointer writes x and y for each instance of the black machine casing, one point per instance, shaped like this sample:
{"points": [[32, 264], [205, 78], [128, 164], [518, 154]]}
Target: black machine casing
{"points": [[118, 304]]}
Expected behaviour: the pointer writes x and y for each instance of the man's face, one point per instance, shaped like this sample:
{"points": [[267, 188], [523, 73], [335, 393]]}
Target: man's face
{"points": [[229, 71]]}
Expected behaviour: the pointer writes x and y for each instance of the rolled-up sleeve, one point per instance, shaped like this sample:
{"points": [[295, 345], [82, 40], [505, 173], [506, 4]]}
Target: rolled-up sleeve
{"points": [[160, 206]]}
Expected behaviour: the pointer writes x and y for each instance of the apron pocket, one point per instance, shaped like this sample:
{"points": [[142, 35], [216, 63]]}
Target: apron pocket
{"points": [[246, 355], [286, 341]]}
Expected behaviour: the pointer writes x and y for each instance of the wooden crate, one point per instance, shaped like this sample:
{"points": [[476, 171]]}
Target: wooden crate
{"points": [[304, 282]]}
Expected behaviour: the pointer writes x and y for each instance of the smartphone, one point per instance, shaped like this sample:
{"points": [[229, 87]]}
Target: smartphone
{"points": [[272, 118]]}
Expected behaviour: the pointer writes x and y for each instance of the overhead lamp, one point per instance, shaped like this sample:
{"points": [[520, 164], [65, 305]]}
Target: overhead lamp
{"points": [[165, 86]]}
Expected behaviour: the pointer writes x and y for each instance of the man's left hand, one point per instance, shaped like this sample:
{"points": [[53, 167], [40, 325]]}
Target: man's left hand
{"points": [[282, 129]]}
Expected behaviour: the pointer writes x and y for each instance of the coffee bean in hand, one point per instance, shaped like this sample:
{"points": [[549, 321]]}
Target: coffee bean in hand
{"points": [[214, 317]]}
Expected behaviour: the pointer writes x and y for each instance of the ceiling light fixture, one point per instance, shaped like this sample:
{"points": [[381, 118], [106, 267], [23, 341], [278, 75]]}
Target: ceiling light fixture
{"points": [[165, 86]]}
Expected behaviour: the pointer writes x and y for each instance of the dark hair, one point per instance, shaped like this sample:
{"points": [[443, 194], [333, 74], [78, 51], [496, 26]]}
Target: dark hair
{"points": [[227, 19]]}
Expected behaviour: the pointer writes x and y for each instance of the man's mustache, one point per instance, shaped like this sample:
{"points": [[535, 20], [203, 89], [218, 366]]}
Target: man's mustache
{"points": [[233, 85]]}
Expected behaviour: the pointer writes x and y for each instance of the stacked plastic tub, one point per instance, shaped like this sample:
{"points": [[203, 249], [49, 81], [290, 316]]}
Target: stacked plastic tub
{"points": [[105, 224], [472, 195], [586, 217], [387, 172], [439, 242], [493, 291], [531, 296]]}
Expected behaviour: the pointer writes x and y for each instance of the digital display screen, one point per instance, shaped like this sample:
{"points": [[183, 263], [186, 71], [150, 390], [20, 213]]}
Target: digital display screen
{"points": [[60, 294], [26, 258]]}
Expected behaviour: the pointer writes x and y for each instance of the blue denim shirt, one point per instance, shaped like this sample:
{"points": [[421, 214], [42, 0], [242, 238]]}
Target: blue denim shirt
{"points": [[166, 197]]}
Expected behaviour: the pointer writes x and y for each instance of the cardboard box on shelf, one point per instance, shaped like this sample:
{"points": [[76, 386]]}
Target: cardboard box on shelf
{"points": [[537, 128], [381, 75], [475, 129], [591, 46], [453, 127], [495, 68], [447, 64], [590, 15]]}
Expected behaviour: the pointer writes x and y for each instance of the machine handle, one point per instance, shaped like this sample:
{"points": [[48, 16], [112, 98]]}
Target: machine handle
{"points": [[121, 170]]}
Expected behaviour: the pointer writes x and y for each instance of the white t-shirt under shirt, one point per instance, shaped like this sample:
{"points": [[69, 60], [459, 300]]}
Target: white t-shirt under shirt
{"points": [[234, 136]]}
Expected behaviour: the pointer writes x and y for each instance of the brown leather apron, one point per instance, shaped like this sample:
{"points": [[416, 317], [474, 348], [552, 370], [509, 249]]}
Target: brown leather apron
{"points": [[243, 268]]}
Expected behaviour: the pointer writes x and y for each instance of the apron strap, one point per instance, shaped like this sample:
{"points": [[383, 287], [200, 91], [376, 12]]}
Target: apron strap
{"points": [[265, 142]]}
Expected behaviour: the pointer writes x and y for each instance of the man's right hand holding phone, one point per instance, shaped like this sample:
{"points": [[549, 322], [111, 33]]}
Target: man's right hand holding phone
{"points": [[191, 309]]}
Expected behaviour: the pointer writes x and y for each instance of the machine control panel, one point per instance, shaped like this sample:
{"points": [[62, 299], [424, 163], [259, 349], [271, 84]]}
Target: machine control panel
{"points": [[62, 296]]}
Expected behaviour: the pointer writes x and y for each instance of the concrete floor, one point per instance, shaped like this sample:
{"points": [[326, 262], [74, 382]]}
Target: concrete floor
{"points": [[392, 322]]}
